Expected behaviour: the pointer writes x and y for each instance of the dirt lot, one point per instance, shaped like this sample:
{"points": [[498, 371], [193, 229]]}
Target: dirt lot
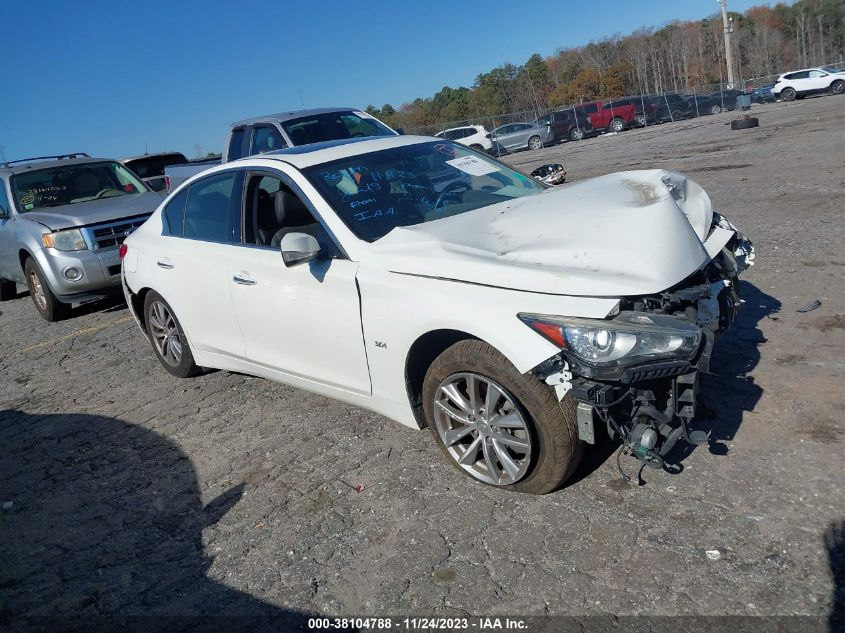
{"points": [[135, 492]]}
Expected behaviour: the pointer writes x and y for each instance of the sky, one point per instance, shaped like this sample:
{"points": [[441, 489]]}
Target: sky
{"points": [[116, 79]]}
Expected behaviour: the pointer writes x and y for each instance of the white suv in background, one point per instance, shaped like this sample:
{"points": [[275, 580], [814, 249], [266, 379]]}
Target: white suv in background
{"points": [[809, 81], [474, 136]]}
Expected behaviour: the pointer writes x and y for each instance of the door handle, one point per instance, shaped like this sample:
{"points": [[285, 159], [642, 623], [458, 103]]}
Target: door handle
{"points": [[244, 281], [163, 263]]}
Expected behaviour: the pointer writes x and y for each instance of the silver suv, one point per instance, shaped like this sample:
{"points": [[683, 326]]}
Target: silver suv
{"points": [[62, 221]]}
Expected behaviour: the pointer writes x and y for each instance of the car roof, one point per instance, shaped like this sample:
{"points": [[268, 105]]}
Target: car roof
{"points": [[281, 117], [461, 127], [302, 156], [10, 170]]}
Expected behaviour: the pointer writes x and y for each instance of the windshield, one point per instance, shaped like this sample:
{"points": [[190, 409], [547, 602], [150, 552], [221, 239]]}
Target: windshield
{"points": [[376, 192], [69, 184], [331, 126]]}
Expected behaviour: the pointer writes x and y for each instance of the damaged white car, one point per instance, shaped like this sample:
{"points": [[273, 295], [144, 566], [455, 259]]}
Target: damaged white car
{"points": [[433, 284]]}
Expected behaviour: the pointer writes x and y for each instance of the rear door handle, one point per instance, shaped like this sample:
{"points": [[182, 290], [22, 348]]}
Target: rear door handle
{"points": [[164, 263], [243, 280]]}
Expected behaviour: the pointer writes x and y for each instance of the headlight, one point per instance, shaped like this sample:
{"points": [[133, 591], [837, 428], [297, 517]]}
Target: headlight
{"points": [[630, 337], [70, 240]]}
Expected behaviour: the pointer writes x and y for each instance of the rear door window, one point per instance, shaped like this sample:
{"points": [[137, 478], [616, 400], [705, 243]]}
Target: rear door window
{"points": [[212, 212]]}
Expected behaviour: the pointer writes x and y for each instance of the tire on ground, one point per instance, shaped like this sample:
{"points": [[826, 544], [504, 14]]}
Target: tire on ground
{"points": [[744, 124], [556, 448], [52, 309], [186, 367]]}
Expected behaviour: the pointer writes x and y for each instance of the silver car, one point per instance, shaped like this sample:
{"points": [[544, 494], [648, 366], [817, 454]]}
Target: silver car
{"points": [[516, 136], [62, 221]]}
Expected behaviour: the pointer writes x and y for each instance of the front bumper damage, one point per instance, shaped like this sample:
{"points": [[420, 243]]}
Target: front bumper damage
{"points": [[650, 406]]}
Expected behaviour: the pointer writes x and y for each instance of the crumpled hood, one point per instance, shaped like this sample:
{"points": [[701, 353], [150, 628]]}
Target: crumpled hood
{"points": [[624, 234], [96, 211]]}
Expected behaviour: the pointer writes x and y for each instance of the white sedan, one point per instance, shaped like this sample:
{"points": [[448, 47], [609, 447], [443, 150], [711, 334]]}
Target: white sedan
{"points": [[428, 282]]}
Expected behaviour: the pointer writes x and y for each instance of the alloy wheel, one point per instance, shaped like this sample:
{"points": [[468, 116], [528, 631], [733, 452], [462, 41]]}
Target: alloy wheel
{"points": [[535, 143], [165, 333], [37, 291], [482, 428]]}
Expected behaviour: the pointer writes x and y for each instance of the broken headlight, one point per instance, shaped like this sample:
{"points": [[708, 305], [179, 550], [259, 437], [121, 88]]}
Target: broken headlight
{"points": [[628, 338]]}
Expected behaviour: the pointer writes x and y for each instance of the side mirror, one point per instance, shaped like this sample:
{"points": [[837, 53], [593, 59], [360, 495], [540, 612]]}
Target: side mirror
{"points": [[298, 248]]}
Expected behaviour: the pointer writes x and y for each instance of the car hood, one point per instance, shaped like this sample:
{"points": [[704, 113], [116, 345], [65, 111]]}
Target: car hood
{"points": [[629, 233], [96, 211]]}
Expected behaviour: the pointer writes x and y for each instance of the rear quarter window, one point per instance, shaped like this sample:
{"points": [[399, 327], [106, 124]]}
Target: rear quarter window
{"points": [[173, 215]]}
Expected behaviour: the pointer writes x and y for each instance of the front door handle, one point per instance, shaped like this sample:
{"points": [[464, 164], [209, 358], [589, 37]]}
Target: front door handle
{"points": [[164, 263], [244, 281]]}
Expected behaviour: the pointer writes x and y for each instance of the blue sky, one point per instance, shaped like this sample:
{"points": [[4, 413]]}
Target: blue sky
{"points": [[113, 78]]}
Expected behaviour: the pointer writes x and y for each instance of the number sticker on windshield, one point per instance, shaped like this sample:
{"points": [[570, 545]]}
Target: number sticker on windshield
{"points": [[472, 165]]}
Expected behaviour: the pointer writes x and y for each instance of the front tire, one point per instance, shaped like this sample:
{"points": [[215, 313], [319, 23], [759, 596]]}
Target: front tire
{"points": [[837, 87], [535, 142], [617, 125], [498, 426], [715, 109], [46, 302], [576, 134], [168, 338], [788, 94]]}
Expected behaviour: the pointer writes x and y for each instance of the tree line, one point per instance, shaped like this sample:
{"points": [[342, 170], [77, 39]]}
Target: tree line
{"points": [[678, 57]]}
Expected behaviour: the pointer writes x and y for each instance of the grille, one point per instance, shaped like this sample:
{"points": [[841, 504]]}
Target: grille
{"points": [[111, 235]]}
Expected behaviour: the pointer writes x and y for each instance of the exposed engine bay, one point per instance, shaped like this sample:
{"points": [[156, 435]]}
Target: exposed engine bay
{"points": [[649, 406]]}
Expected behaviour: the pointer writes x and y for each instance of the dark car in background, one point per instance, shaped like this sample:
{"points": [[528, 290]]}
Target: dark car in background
{"points": [[672, 107], [763, 94], [150, 167], [703, 104], [566, 125]]}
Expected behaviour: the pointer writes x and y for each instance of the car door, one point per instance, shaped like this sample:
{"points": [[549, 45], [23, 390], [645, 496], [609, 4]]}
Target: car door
{"points": [[192, 260], [9, 264], [304, 320], [522, 132], [818, 81]]}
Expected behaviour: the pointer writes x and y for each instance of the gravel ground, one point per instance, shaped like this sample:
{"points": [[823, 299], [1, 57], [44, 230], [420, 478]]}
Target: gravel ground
{"points": [[134, 492]]}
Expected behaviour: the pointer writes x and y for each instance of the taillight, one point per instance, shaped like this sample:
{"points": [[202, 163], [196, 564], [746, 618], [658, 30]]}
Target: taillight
{"points": [[167, 184], [122, 251]]}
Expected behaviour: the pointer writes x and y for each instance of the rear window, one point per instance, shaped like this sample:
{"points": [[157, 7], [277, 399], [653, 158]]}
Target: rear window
{"points": [[151, 166], [332, 126]]}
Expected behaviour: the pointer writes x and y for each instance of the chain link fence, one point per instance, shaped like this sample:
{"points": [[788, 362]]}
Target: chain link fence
{"points": [[650, 109]]}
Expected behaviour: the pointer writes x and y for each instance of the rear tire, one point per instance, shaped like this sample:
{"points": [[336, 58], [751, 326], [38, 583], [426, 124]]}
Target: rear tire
{"points": [[837, 87], [535, 142], [46, 302], [168, 338], [555, 449], [788, 94], [617, 125], [8, 290]]}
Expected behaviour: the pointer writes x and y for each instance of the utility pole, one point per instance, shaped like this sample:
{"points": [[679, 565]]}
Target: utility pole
{"points": [[728, 53]]}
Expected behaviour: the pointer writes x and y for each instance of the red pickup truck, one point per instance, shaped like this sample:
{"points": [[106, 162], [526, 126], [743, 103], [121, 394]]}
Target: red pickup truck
{"points": [[609, 115]]}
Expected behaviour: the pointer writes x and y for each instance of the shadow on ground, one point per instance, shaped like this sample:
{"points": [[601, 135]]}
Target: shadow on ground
{"points": [[107, 521], [725, 394]]}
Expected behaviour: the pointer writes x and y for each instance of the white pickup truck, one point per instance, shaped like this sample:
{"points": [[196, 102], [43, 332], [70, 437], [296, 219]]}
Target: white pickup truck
{"points": [[263, 134]]}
